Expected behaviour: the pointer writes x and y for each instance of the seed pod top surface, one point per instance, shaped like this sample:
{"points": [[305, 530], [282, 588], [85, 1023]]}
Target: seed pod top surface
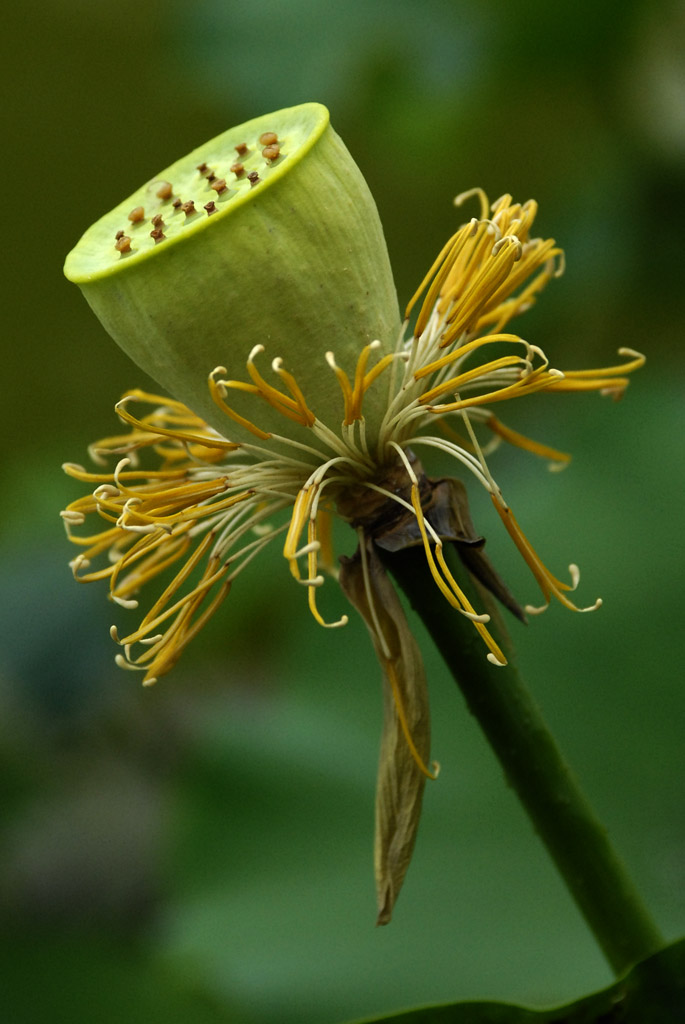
{"points": [[225, 171]]}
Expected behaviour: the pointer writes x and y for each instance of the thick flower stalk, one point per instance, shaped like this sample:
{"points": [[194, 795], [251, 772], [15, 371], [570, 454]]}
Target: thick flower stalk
{"points": [[299, 396]]}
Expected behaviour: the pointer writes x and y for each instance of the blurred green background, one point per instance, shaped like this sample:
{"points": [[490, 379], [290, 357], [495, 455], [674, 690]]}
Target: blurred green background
{"points": [[201, 852]]}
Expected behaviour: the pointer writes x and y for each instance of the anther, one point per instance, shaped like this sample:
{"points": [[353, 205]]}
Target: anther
{"points": [[157, 234], [165, 190], [219, 185], [237, 169], [241, 148], [136, 214], [123, 244], [210, 207], [253, 177], [268, 138], [495, 660], [75, 518], [188, 208], [271, 152]]}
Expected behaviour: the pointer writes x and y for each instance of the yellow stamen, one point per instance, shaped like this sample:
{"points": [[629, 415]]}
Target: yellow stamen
{"points": [[175, 645], [298, 519], [345, 386], [178, 435], [296, 391], [538, 380], [292, 408], [156, 616], [165, 650], [469, 302], [79, 473], [438, 272], [312, 568], [456, 383], [451, 590], [217, 390], [549, 584], [601, 379], [447, 585], [464, 350], [158, 553]]}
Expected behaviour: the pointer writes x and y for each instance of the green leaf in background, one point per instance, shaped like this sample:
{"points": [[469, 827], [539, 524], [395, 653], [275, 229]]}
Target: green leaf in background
{"points": [[642, 997]]}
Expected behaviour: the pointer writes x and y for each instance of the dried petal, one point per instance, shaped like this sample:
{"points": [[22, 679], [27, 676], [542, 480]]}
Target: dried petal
{"points": [[401, 779]]}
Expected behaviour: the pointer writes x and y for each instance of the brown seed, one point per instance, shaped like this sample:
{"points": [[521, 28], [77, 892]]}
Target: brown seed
{"points": [[210, 207], [123, 244], [202, 167], [165, 190], [119, 234], [268, 138], [271, 152], [157, 234], [157, 221], [220, 185], [238, 169], [253, 177], [177, 203], [188, 208], [136, 214], [241, 148], [210, 177]]}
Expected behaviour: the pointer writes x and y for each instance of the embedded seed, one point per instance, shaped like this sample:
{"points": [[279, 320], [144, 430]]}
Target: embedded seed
{"points": [[271, 152], [210, 207], [177, 203], [188, 208], [202, 167], [136, 214], [119, 234], [157, 221], [238, 169], [165, 190], [253, 177], [123, 243], [157, 234], [241, 148], [219, 184], [268, 138]]}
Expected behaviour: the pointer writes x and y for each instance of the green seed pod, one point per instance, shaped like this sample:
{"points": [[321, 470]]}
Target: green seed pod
{"points": [[267, 235]]}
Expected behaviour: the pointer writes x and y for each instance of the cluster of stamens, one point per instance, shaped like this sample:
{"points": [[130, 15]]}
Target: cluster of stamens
{"points": [[457, 363], [248, 168]]}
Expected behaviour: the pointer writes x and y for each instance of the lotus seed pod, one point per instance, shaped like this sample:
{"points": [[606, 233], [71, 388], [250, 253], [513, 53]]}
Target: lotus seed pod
{"points": [[267, 235]]}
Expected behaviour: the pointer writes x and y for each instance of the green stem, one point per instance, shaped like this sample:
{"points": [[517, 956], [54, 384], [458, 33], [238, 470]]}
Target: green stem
{"points": [[533, 765]]}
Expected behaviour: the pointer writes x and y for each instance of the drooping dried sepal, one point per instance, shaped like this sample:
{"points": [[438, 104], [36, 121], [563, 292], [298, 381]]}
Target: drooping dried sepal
{"points": [[405, 740], [242, 243]]}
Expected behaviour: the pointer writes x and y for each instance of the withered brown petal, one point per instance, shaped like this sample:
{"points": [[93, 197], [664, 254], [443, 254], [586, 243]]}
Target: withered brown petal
{"points": [[400, 784], [470, 546], [445, 505]]}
